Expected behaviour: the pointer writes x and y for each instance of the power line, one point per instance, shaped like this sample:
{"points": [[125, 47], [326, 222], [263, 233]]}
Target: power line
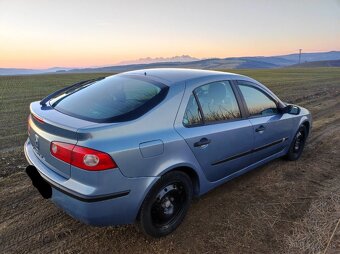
{"points": [[300, 50]]}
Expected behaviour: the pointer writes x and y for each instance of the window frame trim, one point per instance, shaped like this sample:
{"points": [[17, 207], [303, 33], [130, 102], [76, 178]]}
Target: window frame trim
{"points": [[253, 85], [199, 106], [200, 113]]}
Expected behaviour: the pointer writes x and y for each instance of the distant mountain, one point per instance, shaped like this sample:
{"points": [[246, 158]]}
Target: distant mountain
{"points": [[258, 62], [185, 61], [148, 60], [21, 71], [17, 71], [331, 63]]}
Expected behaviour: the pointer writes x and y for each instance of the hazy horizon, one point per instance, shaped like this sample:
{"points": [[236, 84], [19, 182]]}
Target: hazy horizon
{"points": [[38, 34], [136, 60]]}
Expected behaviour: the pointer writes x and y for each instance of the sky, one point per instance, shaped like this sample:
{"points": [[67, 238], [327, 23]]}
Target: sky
{"points": [[74, 33]]}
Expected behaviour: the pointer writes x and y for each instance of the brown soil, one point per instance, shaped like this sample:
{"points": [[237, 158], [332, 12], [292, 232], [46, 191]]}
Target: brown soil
{"points": [[283, 207]]}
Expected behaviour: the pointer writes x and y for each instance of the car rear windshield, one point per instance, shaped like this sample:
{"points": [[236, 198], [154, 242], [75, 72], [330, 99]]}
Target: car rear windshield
{"points": [[112, 99]]}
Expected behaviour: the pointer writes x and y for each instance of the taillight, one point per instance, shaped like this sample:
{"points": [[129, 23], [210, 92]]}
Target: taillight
{"points": [[90, 159], [62, 151], [82, 157]]}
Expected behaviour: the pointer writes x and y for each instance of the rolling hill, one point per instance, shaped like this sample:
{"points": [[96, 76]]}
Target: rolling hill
{"points": [[257, 62], [331, 63]]}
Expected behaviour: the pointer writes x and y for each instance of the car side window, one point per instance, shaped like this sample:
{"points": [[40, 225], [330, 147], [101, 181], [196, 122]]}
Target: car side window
{"points": [[258, 103], [218, 102], [192, 115]]}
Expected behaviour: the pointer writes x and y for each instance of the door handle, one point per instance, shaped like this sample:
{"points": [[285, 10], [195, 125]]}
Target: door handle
{"points": [[260, 128], [202, 142]]}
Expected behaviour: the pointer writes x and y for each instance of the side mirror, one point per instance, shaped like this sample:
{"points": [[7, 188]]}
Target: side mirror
{"points": [[290, 109]]}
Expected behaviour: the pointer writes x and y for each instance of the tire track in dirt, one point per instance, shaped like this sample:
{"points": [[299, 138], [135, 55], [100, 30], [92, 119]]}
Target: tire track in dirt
{"points": [[27, 231]]}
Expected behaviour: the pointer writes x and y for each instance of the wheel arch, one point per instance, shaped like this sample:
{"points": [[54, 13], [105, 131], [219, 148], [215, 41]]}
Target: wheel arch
{"points": [[306, 123], [195, 173], [190, 171], [193, 177]]}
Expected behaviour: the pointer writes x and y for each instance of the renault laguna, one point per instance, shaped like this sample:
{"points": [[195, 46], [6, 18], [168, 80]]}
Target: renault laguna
{"points": [[138, 146]]}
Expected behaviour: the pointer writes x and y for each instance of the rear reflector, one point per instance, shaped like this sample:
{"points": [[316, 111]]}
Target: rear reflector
{"points": [[82, 157], [28, 124], [39, 119]]}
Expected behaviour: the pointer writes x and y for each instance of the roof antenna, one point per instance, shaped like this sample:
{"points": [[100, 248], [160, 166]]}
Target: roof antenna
{"points": [[144, 73]]}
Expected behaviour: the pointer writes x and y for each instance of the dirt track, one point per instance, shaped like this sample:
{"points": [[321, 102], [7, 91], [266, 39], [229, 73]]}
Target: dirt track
{"points": [[290, 207]]}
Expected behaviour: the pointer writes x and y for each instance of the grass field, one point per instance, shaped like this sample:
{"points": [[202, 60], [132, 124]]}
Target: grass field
{"points": [[284, 207], [16, 93]]}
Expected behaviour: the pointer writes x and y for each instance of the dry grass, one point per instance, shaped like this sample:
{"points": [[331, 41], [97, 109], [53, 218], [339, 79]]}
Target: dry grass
{"points": [[312, 234]]}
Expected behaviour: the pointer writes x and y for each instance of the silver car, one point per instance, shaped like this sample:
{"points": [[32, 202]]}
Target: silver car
{"points": [[138, 146]]}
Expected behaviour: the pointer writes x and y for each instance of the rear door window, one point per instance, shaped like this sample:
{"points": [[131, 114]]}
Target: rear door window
{"points": [[218, 102], [115, 98]]}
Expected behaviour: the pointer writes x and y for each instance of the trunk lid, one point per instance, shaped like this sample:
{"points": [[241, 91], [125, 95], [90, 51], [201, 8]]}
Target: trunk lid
{"points": [[46, 125]]}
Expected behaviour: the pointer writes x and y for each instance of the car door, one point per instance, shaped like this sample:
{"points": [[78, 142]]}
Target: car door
{"points": [[215, 130], [271, 128]]}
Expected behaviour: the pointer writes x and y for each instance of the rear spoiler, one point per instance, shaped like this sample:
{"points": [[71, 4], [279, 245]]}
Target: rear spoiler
{"points": [[68, 88]]}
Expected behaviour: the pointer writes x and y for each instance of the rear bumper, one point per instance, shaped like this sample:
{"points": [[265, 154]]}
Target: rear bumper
{"points": [[111, 199]]}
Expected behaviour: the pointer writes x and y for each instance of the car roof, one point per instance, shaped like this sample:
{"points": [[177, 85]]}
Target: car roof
{"points": [[172, 76], [175, 75]]}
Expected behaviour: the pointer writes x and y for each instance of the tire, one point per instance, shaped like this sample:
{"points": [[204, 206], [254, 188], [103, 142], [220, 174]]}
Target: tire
{"points": [[298, 144], [166, 204]]}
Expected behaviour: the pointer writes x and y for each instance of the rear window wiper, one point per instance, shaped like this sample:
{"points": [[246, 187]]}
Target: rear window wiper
{"points": [[68, 89]]}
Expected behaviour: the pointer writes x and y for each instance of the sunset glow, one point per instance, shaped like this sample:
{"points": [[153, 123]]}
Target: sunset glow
{"points": [[42, 34]]}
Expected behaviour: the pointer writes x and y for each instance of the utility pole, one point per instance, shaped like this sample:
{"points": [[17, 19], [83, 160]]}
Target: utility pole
{"points": [[300, 50]]}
